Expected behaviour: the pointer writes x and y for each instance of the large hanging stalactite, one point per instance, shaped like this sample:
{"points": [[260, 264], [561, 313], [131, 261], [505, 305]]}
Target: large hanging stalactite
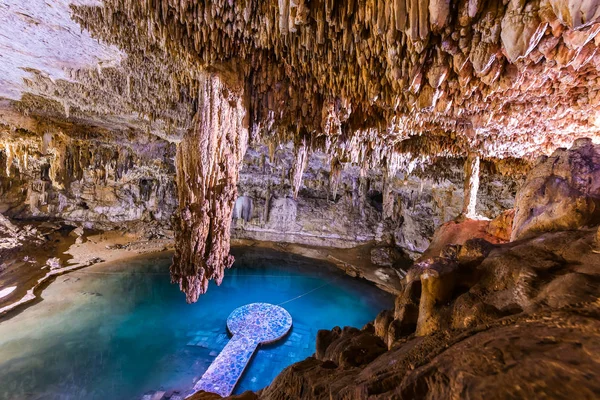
{"points": [[208, 161]]}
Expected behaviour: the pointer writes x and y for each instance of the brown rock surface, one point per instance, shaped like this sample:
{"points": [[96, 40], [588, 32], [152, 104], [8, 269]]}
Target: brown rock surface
{"points": [[457, 232], [523, 322], [561, 192]]}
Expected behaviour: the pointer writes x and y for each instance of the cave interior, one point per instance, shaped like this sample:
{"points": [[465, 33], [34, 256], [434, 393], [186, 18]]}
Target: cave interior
{"points": [[445, 153]]}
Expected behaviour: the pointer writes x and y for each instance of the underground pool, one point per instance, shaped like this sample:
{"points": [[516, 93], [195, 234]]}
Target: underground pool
{"points": [[122, 331]]}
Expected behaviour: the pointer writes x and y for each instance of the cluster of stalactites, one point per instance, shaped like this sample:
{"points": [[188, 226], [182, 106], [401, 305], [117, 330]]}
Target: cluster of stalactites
{"points": [[463, 71], [208, 162]]}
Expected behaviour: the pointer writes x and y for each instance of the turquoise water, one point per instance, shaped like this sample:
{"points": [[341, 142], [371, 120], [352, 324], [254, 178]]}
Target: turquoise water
{"points": [[120, 331]]}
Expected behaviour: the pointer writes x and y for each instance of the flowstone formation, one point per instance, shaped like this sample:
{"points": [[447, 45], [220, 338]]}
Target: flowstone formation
{"points": [[83, 174]]}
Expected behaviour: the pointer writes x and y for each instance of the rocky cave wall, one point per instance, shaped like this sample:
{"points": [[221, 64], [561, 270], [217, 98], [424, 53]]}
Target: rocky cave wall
{"points": [[267, 209], [85, 176]]}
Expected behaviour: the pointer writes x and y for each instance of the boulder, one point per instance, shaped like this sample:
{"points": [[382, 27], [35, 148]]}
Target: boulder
{"points": [[501, 226], [562, 192]]}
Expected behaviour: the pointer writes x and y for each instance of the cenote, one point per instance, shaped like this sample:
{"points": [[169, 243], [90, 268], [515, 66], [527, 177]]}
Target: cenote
{"points": [[121, 330]]}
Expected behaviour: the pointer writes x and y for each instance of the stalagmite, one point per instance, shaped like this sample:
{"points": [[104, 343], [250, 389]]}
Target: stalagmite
{"points": [[471, 185], [208, 161]]}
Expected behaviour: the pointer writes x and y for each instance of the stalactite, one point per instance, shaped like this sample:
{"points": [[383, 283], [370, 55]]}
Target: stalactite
{"points": [[471, 185], [335, 177], [299, 167], [412, 77], [208, 161], [265, 216], [388, 197]]}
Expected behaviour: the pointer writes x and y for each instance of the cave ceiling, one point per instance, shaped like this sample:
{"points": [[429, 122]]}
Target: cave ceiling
{"points": [[370, 82]]}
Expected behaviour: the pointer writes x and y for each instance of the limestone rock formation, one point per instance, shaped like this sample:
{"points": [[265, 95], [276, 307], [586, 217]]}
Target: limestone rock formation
{"points": [[84, 175], [383, 87], [561, 192], [208, 162], [458, 232], [419, 203], [517, 320], [369, 123]]}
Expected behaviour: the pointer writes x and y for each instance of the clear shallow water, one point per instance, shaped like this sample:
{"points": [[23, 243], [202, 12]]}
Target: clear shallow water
{"points": [[119, 331]]}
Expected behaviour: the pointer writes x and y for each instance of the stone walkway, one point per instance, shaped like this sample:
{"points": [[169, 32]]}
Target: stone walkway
{"points": [[251, 325]]}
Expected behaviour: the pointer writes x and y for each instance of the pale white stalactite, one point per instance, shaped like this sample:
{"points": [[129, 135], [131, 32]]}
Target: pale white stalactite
{"points": [[471, 185], [9, 159], [299, 167], [46, 140], [284, 13]]}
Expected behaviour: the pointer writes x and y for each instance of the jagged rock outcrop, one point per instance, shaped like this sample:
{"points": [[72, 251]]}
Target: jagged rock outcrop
{"points": [[208, 162], [516, 320], [561, 192]]}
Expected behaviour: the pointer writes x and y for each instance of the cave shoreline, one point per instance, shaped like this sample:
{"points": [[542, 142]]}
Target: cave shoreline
{"points": [[117, 246]]}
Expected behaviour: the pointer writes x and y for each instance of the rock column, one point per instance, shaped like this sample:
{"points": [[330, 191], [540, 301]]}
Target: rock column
{"points": [[208, 162], [471, 185]]}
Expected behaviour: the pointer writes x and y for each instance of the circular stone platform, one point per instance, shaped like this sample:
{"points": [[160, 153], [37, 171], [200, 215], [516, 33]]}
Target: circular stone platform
{"points": [[263, 322]]}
